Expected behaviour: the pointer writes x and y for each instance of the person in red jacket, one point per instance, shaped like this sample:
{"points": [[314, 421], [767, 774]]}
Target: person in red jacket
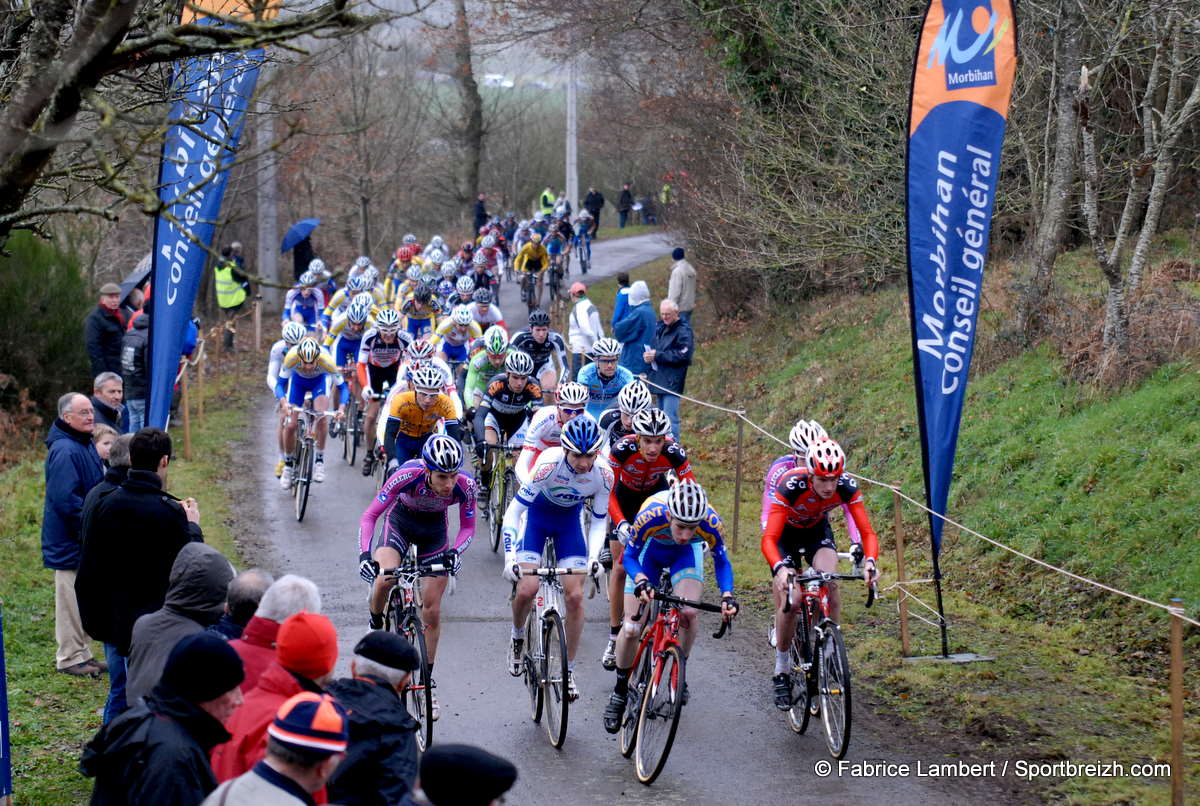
{"points": [[305, 653], [287, 595]]}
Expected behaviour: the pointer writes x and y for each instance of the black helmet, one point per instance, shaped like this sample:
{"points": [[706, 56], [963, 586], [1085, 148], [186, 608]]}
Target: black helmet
{"points": [[539, 318]]}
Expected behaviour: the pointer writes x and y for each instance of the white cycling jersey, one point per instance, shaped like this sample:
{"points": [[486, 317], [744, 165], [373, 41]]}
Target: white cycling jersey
{"points": [[542, 433], [278, 351], [553, 483]]}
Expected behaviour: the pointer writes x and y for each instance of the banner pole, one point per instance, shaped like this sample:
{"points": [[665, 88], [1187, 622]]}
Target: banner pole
{"points": [[185, 408], [1177, 703], [5, 754], [200, 387], [737, 484], [937, 583], [898, 530]]}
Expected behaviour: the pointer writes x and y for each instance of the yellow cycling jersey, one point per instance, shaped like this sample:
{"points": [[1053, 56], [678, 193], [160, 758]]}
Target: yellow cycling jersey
{"points": [[324, 364], [340, 299], [532, 252], [455, 334], [341, 322], [415, 421]]}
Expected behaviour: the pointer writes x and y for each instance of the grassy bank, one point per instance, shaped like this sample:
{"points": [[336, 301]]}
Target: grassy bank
{"points": [[612, 233], [1096, 481], [52, 715]]}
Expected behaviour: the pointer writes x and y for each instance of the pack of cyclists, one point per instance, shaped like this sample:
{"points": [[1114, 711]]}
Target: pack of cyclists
{"points": [[426, 348]]}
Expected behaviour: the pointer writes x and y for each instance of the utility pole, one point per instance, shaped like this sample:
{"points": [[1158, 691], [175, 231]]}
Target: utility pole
{"points": [[572, 129], [268, 199]]}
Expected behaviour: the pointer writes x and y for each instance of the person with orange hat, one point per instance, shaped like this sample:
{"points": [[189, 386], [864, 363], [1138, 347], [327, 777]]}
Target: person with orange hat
{"points": [[306, 651]]}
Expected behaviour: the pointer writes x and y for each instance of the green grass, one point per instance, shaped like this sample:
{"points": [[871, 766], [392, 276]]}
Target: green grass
{"points": [[612, 233], [53, 715], [1099, 482]]}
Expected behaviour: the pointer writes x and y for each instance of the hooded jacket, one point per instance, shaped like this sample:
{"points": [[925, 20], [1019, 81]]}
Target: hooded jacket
{"points": [[195, 599], [72, 469], [155, 753], [256, 648], [381, 761], [133, 359], [635, 329]]}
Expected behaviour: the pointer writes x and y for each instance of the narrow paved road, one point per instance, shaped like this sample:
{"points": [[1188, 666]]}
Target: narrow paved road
{"points": [[733, 747]]}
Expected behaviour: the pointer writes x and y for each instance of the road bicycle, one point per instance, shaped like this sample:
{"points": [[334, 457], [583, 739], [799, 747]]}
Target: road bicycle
{"points": [[554, 282], [305, 453], [529, 292], [657, 683], [504, 486], [820, 669], [403, 616], [583, 248], [352, 429]]}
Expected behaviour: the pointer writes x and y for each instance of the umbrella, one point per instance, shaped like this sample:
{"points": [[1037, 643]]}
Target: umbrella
{"points": [[136, 278], [299, 231]]}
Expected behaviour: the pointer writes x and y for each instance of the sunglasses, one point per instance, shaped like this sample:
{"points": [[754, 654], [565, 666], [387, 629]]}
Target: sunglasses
{"points": [[571, 412]]}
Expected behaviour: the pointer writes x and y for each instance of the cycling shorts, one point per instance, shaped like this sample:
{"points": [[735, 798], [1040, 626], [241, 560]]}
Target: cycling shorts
{"points": [[684, 562], [563, 524], [299, 386], [797, 543], [378, 376], [419, 328], [309, 315], [425, 530], [345, 349], [516, 440], [456, 353], [408, 447]]}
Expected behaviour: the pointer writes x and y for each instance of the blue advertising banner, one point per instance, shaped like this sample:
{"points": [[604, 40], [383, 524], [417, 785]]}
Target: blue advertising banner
{"points": [[5, 744], [962, 84], [207, 120]]}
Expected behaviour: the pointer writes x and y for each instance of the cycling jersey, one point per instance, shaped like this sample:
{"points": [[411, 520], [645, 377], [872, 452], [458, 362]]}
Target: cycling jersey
{"points": [[296, 379], [278, 351], [452, 334], [480, 372], [540, 352], [542, 433], [554, 244], [774, 473], [553, 497], [339, 301], [484, 279], [413, 511], [345, 339], [652, 549], [379, 359], [494, 316], [418, 319], [797, 507], [508, 408], [307, 307], [615, 431], [602, 392], [409, 425], [532, 257], [638, 477]]}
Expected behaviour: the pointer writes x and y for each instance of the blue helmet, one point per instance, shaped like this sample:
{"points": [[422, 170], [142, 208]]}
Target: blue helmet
{"points": [[582, 435]]}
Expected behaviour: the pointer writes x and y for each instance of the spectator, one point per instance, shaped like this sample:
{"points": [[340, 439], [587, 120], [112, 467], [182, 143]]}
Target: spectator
{"points": [[593, 202], [306, 741], [133, 535], [103, 330], [157, 753], [669, 356], [103, 437], [635, 329], [287, 596], [305, 653], [624, 205], [239, 268], [134, 369], [682, 288], [72, 469], [302, 254], [381, 765], [133, 303], [562, 206], [665, 198], [621, 303], [649, 211], [241, 601], [584, 327], [460, 775], [546, 201], [232, 290], [481, 213], [108, 390], [194, 602]]}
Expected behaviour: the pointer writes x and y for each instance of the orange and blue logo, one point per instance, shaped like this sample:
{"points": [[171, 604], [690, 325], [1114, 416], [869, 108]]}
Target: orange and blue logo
{"points": [[965, 43]]}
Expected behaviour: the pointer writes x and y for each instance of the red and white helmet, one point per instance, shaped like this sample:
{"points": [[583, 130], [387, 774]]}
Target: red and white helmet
{"points": [[826, 459]]}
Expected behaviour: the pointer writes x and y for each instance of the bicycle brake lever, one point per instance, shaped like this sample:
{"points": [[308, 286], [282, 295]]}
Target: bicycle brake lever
{"points": [[726, 626]]}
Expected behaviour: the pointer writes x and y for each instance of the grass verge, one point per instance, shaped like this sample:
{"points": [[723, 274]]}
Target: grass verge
{"points": [[613, 233]]}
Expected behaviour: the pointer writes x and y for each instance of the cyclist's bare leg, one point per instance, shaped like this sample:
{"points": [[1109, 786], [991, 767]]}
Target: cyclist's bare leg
{"points": [[321, 404], [826, 560], [289, 431], [432, 589], [490, 457], [371, 417], [548, 380], [689, 617], [616, 584], [573, 590], [527, 586], [631, 633], [387, 557], [279, 428], [785, 623]]}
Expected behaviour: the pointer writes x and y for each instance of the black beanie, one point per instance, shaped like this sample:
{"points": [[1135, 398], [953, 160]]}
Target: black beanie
{"points": [[677, 254], [202, 667]]}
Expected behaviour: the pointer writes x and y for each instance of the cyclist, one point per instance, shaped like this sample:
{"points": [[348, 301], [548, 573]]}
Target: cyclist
{"points": [[464, 288], [346, 333], [414, 502], [546, 425], [556, 247], [359, 284], [466, 252], [583, 237], [435, 243], [420, 354], [413, 416], [603, 378], [533, 259], [641, 463], [798, 530], [482, 277], [419, 312], [506, 408], [292, 333], [670, 532], [554, 497], [485, 365], [453, 335], [378, 360], [483, 310], [307, 368], [618, 423], [545, 347], [305, 301]]}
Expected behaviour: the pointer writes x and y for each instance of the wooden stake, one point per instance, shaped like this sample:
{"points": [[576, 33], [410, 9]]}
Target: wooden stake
{"points": [[1177, 769], [257, 324], [187, 415], [200, 387], [898, 532], [737, 484]]}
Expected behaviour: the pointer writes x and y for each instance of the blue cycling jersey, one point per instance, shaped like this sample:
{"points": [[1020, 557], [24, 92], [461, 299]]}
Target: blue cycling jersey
{"points": [[652, 549], [602, 392]]}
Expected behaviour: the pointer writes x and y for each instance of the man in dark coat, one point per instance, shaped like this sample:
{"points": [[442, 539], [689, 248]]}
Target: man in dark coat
{"points": [[72, 469], [669, 356], [481, 213], [624, 205], [157, 752], [381, 762], [135, 371], [195, 601], [593, 202], [103, 330]]}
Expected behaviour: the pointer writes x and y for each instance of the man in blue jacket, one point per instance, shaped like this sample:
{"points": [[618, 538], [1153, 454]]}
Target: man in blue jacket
{"points": [[670, 355], [635, 329], [72, 469]]}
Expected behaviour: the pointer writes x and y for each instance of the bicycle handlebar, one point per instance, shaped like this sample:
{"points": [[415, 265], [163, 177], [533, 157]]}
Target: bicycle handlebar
{"points": [[423, 569], [821, 576], [669, 599]]}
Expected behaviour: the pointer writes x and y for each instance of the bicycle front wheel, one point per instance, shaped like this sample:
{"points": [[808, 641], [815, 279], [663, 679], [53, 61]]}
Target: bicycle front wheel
{"points": [[494, 512], [800, 668], [532, 665], [639, 679], [419, 694], [303, 480], [554, 677], [353, 430], [662, 704], [835, 690]]}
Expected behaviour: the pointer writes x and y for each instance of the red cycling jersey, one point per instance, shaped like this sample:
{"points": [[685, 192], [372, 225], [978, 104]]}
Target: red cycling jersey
{"points": [[635, 473], [797, 505]]}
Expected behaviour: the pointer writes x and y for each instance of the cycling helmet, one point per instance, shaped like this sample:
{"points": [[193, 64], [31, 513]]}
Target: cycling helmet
{"points": [[442, 453], [651, 423], [427, 378], [687, 502], [539, 318], [316, 265], [357, 283], [388, 320], [539, 217], [409, 238], [468, 246], [308, 350], [581, 435], [523, 223], [461, 315], [480, 259], [484, 230], [606, 348], [465, 285], [826, 459], [365, 298], [495, 340], [308, 279], [449, 269], [481, 295], [423, 294], [436, 242], [536, 237], [293, 331], [371, 275], [633, 397], [413, 273], [488, 241], [436, 256], [419, 350], [362, 261], [516, 362], [572, 394], [357, 314], [445, 288], [584, 215], [803, 434]]}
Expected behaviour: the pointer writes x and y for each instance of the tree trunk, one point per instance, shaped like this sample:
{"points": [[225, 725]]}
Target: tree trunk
{"points": [[1116, 320], [364, 209], [471, 125]]}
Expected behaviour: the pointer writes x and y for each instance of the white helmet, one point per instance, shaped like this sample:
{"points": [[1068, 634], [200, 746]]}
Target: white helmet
{"points": [[465, 285], [293, 331], [308, 350], [362, 261], [436, 241], [316, 265], [364, 298], [461, 315], [634, 397], [572, 394], [388, 320], [803, 434], [436, 256], [409, 238], [358, 313], [651, 422], [687, 502], [488, 241], [413, 273], [518, 363], [606, 348], [428, 378]]}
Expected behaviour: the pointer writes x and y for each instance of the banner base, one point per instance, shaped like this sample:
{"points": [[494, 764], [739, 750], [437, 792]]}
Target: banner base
{"points": [[953, 657]]}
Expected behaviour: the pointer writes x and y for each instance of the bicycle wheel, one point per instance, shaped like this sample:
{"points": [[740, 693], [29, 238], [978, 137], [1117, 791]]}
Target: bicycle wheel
{"points": [[494, 512], [419, 694], [638, 678], [303, 480], [352, 430], [554, 675], [801, 667], [835, 690], [661, 707], [532, 664]]}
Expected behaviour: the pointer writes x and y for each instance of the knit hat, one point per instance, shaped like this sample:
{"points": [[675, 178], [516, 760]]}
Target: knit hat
{"points": [[388, 649], [462, 775], [677, 254], [202, 666], [307, 645], [311, 721]]}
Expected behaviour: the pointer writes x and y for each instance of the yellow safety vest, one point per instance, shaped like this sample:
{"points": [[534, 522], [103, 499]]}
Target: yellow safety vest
{"points": [[230, 294]]}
